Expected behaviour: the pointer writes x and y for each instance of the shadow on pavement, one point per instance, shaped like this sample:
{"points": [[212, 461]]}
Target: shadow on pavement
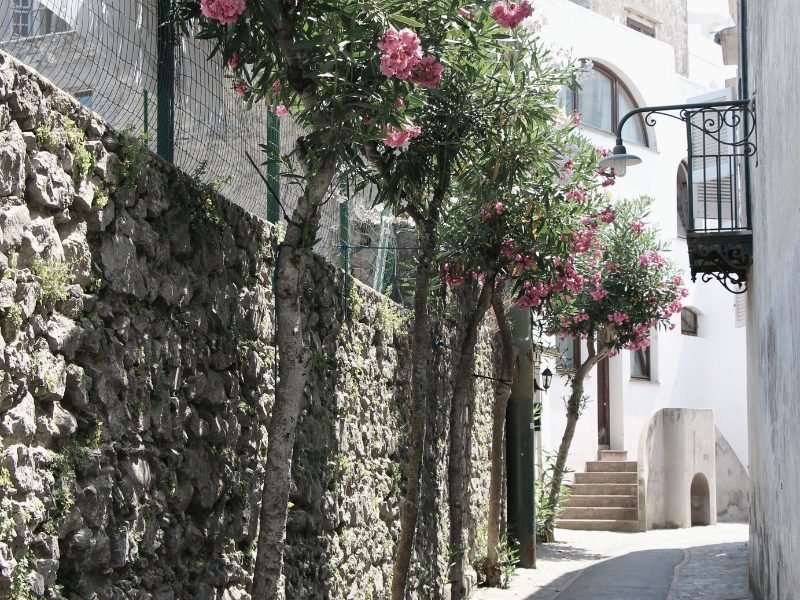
{"points": [[711, 572]]}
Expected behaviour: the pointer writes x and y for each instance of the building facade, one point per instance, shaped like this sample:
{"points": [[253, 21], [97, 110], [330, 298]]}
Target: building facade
{"points": [[644, 54], [773, 317]]}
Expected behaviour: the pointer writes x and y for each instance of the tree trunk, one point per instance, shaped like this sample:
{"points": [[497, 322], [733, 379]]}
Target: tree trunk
{"points": [[574, 405], [502, 392], [459, 430], [421, 359], [293, 366]]}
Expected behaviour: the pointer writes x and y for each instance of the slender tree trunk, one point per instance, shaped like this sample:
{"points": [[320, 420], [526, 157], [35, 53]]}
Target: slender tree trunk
{"points": [[502, 392], [422, 358], [293, 367], [574, 406], [459, 430]]}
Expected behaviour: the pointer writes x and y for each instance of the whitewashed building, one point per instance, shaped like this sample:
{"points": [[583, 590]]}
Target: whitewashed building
{"points": [[658, 52]]}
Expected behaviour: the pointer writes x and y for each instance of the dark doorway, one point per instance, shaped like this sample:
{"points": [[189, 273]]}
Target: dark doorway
{"points": [[700, 501], [603, 407]]}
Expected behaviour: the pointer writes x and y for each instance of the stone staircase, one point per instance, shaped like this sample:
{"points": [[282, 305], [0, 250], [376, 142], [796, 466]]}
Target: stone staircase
{"points": [[605, 497]]}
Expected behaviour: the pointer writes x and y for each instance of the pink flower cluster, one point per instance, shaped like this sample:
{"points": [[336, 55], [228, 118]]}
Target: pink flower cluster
{"points": [[401, 138], [569, 166], [569, 278], [510, 14], [582, 240], [401, 57], [224, 11], [233, 61], [652, 259], [578, 193], [427, 72], [602, 152], [608, 215], [450, 278], [618, 317], [598, 293], [509, 248], [281, 110], [638, 227], [533, 294], [240, 88], [498, 208], [400, 52]]}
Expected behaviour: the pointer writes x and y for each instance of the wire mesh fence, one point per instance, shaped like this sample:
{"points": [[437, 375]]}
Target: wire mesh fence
{"points": [[123, 59]]}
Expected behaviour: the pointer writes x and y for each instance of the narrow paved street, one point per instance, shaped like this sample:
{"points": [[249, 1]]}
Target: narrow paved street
{"points": [[701, 563]]}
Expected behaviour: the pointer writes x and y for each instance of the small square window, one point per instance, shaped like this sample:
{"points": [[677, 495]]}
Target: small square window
{"points": [[689, 322], [641, 27]]}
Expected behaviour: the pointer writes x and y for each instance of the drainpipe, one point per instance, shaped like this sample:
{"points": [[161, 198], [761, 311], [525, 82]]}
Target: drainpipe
{"points": [[520, 451]]}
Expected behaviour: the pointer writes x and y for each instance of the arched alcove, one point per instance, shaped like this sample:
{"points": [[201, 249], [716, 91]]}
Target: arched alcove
{"points": [[700, 501]]}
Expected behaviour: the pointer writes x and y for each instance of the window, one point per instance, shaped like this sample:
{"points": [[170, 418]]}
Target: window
{"points": [[601, 99], [21, 18], [682, 186], [641, 27], [640, 364], [570, 348], [689, 319]]}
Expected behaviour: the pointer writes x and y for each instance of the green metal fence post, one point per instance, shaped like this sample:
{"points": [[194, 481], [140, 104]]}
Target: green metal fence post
{"points": [[273, 166], [520, 451], [165, 121], [146, 103]]}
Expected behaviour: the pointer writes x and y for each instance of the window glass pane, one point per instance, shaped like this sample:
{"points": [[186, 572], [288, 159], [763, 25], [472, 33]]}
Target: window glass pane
{"points": [[567, 99], [632, 131], [595, 101], [640, 364]]}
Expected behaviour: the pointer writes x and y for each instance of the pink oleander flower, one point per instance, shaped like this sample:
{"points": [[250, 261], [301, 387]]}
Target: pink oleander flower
{"points": [[398, 102], [277, 86], [618, 317], [400, 52], [508, 248], [510, 14], [485, 214], [224, 11], [578, 193], [499, 208], [401, 138], [366, 120], [602, 152], [580, 318], [240, 88], [677, 280], [611, 266], [576, 117], [281, 110], [233, 61], [684, 292], [608, 181], [598, 294], [608, 215], [638, 227], [569, 166], [427, 72]]}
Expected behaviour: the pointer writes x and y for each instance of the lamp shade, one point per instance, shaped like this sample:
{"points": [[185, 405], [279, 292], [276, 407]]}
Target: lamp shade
{"points": [[620, 160], [547, 378]]}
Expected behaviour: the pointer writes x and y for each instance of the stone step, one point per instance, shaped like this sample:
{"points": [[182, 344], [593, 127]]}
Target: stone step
{"points": [[598, 525], [610, 477], [612, 455], [599, 512], [598, 501], [627, 466], [605, 489]]}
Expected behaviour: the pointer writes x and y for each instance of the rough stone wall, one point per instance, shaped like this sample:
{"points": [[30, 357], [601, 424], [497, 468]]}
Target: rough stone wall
{"points": [[773, 379], [137, 376]]}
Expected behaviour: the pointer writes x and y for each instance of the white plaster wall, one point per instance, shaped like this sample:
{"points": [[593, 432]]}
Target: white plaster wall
{"points": [[774, 304], [676, 445], [703, 372]]}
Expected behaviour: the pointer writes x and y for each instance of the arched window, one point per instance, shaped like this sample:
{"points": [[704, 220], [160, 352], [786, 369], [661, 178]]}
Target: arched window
{"points": [[682, 185], [601, 99], [689, 321]]}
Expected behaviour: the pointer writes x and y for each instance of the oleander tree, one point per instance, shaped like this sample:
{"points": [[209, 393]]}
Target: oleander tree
{"points": [[352, 74], [492, 144], [517, 211], [614, 287]]}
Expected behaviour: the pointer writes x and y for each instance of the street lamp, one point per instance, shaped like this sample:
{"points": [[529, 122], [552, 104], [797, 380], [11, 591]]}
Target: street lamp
{"points": [[547, 379], [619, 160]]}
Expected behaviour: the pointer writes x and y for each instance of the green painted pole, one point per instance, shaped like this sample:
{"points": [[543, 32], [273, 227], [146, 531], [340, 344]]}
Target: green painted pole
{"points": [[273, 166], [165, 117], [146, 103], [520, 450]]}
